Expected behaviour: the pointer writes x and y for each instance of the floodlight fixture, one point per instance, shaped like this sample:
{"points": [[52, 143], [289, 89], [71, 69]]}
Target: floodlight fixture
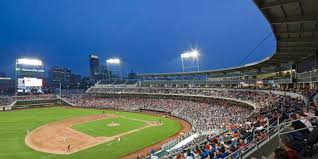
{"points": [[193, 53], [113, 61]]}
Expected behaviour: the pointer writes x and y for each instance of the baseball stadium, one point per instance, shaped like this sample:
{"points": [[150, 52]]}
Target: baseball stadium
{"points": [[263, 109]]}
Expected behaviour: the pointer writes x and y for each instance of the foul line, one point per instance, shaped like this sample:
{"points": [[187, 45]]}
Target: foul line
{"points": [[48, 156]]}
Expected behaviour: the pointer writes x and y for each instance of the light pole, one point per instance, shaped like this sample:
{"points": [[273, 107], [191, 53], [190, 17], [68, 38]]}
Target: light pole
{"points": [[193, 54], [113, 61], [60, 89]]}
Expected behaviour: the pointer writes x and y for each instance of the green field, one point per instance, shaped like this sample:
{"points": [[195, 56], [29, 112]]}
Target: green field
{"points": [[14, 124], [99, 128]]}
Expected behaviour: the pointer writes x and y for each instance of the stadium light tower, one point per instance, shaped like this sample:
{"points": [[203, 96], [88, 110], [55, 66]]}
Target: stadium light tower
{"points": [[193, 54], [114, 61]]}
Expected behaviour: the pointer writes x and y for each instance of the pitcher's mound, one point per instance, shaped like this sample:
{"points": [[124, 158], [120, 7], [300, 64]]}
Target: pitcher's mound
{"points": [[112, 124]]}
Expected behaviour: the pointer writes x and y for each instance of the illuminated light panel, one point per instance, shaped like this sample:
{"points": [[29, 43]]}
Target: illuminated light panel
{"points": [[94, 56], [5, 78], [33, 62], [113, 61], [194, 53]]}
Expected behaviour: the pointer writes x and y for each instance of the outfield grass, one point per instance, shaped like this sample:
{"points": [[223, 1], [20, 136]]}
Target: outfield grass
{"points": [[99, 128], [14, 125]]}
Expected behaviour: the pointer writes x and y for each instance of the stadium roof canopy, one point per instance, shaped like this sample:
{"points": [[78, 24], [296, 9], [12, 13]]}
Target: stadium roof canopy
{"points": [[295, 25]]}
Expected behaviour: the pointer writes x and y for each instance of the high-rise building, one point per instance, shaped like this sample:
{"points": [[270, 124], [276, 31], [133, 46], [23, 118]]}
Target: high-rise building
{"points": [[93, 66]]}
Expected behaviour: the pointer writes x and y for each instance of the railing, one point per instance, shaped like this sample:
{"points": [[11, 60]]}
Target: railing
{"points": [[215, 81], [308, 77], [286, 80], [198, 82], [271, 132], [67, 102], [257, 142]]}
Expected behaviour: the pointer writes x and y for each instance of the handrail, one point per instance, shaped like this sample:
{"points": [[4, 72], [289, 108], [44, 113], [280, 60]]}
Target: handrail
{"points": [[291, 121], [66, 101], [280, 131], [287, 132]]}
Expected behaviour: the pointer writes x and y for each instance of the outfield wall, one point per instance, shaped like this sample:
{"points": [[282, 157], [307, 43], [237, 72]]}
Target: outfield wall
{"points": [[5, 107]]}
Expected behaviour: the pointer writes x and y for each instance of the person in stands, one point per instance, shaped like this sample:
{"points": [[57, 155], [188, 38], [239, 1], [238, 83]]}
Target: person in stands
{"points": [[280, 153], [287, 145], [315, 100], [189, 155], [298, 125]]}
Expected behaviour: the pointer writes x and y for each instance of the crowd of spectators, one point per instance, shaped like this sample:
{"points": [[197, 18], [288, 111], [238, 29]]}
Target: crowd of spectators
{"points": [[205, 115], [5, 100], [261, 99]]}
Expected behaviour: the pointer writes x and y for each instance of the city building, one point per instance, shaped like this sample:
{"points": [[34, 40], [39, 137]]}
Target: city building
{"points": [[103, 73], [93, 66], [59, 74], [63, 76], [6, 85]]}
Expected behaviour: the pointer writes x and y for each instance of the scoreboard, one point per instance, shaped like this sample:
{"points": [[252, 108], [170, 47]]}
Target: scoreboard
{"points": [[29, 75]]}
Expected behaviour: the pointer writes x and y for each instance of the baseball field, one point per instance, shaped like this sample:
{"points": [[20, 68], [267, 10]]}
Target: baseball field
{"points": [[72, 133]]}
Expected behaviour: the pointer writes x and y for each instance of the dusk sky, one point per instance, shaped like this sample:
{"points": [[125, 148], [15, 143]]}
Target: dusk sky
{"points": [[148, 35]]}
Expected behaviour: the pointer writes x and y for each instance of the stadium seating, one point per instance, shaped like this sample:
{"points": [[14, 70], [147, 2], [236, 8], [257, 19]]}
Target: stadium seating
{"points": [[5, 100], [116, 83]]}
